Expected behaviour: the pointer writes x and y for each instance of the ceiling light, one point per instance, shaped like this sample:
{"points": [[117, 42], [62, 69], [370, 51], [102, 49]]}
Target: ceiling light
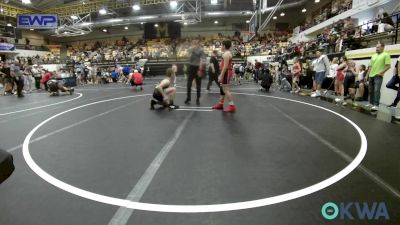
{"points": [[141, 23], [31, 29], [247, 21], [9, 25], [136, 7], [216, 22], [214, 2], [103, 11], [86, 24], [126, 28], [185, 23], [66, 32], [156, 25], [304, 10], [26, 1], [316, 1], [274, 17], [173, 4], [282, 14], [1, 9], [74, 17], [116, 20], [82, 32], [104, 30]]}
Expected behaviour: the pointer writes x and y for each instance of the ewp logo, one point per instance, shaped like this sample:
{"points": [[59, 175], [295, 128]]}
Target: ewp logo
{"points": [[37, 21], [376, 211]]}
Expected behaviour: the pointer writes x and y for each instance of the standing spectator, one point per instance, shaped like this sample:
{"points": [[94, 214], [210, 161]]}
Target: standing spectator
{"points": [[18, 78], [322, 67], [360, 82], [339, 82], [350, 80], [257, 67], [213, 72], [380, 63], [37, 76], [93, 73], [28, 78], [296, 72], [195, 73], [395, 81]]}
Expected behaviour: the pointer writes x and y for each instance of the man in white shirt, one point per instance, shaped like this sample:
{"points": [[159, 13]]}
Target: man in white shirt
{"points": [[322, 67]]}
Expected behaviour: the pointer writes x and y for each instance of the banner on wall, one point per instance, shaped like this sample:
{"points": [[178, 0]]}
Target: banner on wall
{"points": [[7, 47], [37, 21], [162, 30]]}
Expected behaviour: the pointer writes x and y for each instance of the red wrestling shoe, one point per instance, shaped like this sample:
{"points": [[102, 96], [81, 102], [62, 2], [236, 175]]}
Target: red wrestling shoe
{"points": [[218, 106], [230, 109]]}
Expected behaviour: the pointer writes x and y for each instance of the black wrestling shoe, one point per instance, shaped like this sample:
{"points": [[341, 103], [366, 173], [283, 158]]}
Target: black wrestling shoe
{"points": [[187, 102], [197, 102], [152, 103]]}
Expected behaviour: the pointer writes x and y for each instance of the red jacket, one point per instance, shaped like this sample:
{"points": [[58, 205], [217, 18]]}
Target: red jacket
{"points": [[137, 78], [46, 77]]}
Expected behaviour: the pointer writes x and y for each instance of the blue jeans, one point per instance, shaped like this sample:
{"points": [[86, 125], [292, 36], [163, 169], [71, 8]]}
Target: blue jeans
{"points": [[392, 85], [319, 77], [375, 84]]}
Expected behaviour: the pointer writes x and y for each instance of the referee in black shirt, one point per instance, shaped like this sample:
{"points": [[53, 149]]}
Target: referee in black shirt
{"points": [[195, 62], [214, 70]]}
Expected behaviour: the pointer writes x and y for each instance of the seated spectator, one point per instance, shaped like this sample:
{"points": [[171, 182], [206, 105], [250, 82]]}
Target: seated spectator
{"points": [[136, 79], [386, 23]]}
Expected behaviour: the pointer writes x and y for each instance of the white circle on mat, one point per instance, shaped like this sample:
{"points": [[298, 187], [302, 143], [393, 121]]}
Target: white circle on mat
{"points": [[195, 208]]}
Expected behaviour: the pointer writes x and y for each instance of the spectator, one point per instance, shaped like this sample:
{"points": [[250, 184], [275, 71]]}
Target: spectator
{"points": [[350, 80], [46, 77], [360, 84], [322, 70], [395, 81], [213, 70], [18, 77], [296, 72], [137, 80], [380, 63], [339, 81], [114, 75]]}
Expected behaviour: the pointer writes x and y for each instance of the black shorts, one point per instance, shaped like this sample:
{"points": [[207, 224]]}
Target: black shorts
{"points": [[350, 82], [53, 87], [157, 96]]}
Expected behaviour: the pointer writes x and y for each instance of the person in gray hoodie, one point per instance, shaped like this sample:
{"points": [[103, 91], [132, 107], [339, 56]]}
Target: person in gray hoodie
{"points": [[322, 67]]}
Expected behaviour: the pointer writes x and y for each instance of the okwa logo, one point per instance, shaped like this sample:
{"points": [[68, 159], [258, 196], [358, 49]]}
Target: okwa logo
{"points": [[355, 210]]}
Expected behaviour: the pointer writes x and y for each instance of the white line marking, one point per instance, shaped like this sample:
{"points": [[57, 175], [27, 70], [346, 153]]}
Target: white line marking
{"points": [[193, 107], [39, 107], [196, 208], [123, 214], [38, 112], [346, 157], [73, 125], [197, 110]]}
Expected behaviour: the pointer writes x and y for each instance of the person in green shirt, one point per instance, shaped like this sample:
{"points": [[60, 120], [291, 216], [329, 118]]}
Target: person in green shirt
{"points": [[380, 63]]}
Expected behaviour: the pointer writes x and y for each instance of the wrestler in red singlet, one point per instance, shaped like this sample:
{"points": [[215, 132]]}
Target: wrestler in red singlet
{"points": [[224, 79]]}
